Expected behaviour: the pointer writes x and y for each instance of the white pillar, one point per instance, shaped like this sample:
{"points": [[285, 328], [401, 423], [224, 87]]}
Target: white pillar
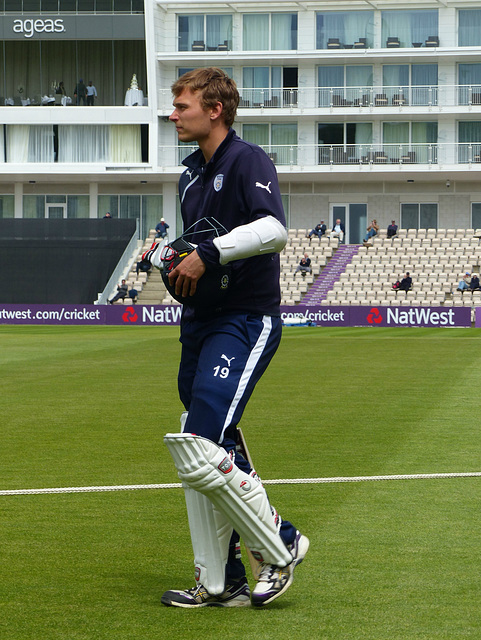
{"points": [[93, 200], [18, 202]]}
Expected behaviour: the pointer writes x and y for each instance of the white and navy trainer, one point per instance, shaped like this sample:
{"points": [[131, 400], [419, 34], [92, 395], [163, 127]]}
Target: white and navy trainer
{"points": [[236, 594], [274, 581]]}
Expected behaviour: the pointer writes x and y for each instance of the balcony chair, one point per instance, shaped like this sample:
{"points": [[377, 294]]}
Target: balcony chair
{"points": [[432, 41], [361, 43], [398, 99], [380, 100], [363, 101], [198, 45], [392, 42], [271, 102], [333, 43], [409, 157], [224, 46], [379, 157]]}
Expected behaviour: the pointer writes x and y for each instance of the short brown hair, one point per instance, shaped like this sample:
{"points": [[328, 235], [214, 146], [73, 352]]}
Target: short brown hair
{"points": [[214, 86]]}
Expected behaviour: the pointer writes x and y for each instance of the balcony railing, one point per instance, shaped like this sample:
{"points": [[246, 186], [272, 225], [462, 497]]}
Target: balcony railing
{"points": [[378, 154], [324, 155], [398, 96], [351, 97]]}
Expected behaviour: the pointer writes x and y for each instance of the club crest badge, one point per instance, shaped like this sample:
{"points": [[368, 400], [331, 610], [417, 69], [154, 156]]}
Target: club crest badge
{"points": [[224, 281], [218, 181]]}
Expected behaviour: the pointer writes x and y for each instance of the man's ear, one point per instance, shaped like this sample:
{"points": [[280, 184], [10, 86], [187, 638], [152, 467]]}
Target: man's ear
{"points": [[216, 111]]}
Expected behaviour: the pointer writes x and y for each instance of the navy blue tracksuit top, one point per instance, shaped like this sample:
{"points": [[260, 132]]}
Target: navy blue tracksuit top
{"points": [[237, 186]]}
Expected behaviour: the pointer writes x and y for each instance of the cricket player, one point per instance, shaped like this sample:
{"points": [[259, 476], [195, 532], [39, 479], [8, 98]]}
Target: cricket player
{"points": [[226, 347]]}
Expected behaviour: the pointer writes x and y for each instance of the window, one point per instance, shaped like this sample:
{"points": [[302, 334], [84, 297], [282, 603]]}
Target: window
{"points": [[419, 216], [469, 77], [121, 144], [30, 143], [33, 69], [269, 86], [49, 5], [475, 215], [205, 32], [41, 206], [100, 143], [410, 28], [78, 207], [147, 209], [411, 142], [344, 29], [410, 84], [344, 85], [469, 136], [344, 142], [469, 27], [31, 5], [279, 141], [270, 32], [7, 206]]}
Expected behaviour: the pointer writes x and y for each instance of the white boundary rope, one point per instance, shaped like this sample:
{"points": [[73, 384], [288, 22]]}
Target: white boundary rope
{"points": [[133, 487]]}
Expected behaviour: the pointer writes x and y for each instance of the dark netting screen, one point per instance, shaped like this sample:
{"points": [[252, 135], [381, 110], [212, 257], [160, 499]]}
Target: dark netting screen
{"points": [[59, 261]]}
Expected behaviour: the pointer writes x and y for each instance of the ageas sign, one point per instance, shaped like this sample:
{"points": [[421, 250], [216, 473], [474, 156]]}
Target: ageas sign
{"points": [[38, 25]]}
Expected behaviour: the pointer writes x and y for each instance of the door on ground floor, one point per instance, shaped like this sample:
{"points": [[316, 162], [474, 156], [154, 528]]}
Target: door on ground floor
{"points": [[55, 211], [354, 218]]}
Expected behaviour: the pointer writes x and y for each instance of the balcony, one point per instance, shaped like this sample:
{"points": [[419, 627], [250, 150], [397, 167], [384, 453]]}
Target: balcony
{"points": [[393, 154], [386, 157], [373, 97]]}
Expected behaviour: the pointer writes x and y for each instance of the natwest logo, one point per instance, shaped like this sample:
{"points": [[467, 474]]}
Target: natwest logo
{"points": [[46, 25], [130, 315], [374, 316]]}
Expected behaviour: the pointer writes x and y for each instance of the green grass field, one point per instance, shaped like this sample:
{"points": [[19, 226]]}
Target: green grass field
{"points": [[390, 559]]}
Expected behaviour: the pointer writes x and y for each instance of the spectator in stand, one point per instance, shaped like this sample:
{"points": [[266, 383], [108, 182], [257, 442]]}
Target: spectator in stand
{"points": [[474, 284], [80, 92], [392, 229], [338, 230], [464, 282], [372, 230], [304, 265], [161, 229], [318, 231], [405, 284], [61, 89], [122, 291], [108, 215], [91, 94]]}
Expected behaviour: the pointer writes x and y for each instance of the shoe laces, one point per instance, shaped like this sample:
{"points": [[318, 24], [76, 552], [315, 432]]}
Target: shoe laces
{"points": [[198, 590], [267, 571]]}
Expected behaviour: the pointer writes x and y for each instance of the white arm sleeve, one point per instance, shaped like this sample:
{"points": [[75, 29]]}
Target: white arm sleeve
{"points": [[265, 235]]}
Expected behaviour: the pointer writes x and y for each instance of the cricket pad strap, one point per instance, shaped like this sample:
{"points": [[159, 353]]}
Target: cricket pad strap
{"points": [[265, 235], [205, 467]]}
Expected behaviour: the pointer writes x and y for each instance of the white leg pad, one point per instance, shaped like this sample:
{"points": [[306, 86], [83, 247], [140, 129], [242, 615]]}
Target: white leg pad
{"points": [[210, 533], [204, 466]]}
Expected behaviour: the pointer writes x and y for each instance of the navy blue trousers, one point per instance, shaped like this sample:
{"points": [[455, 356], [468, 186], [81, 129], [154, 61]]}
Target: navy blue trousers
{"points": [[222, 361]]}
